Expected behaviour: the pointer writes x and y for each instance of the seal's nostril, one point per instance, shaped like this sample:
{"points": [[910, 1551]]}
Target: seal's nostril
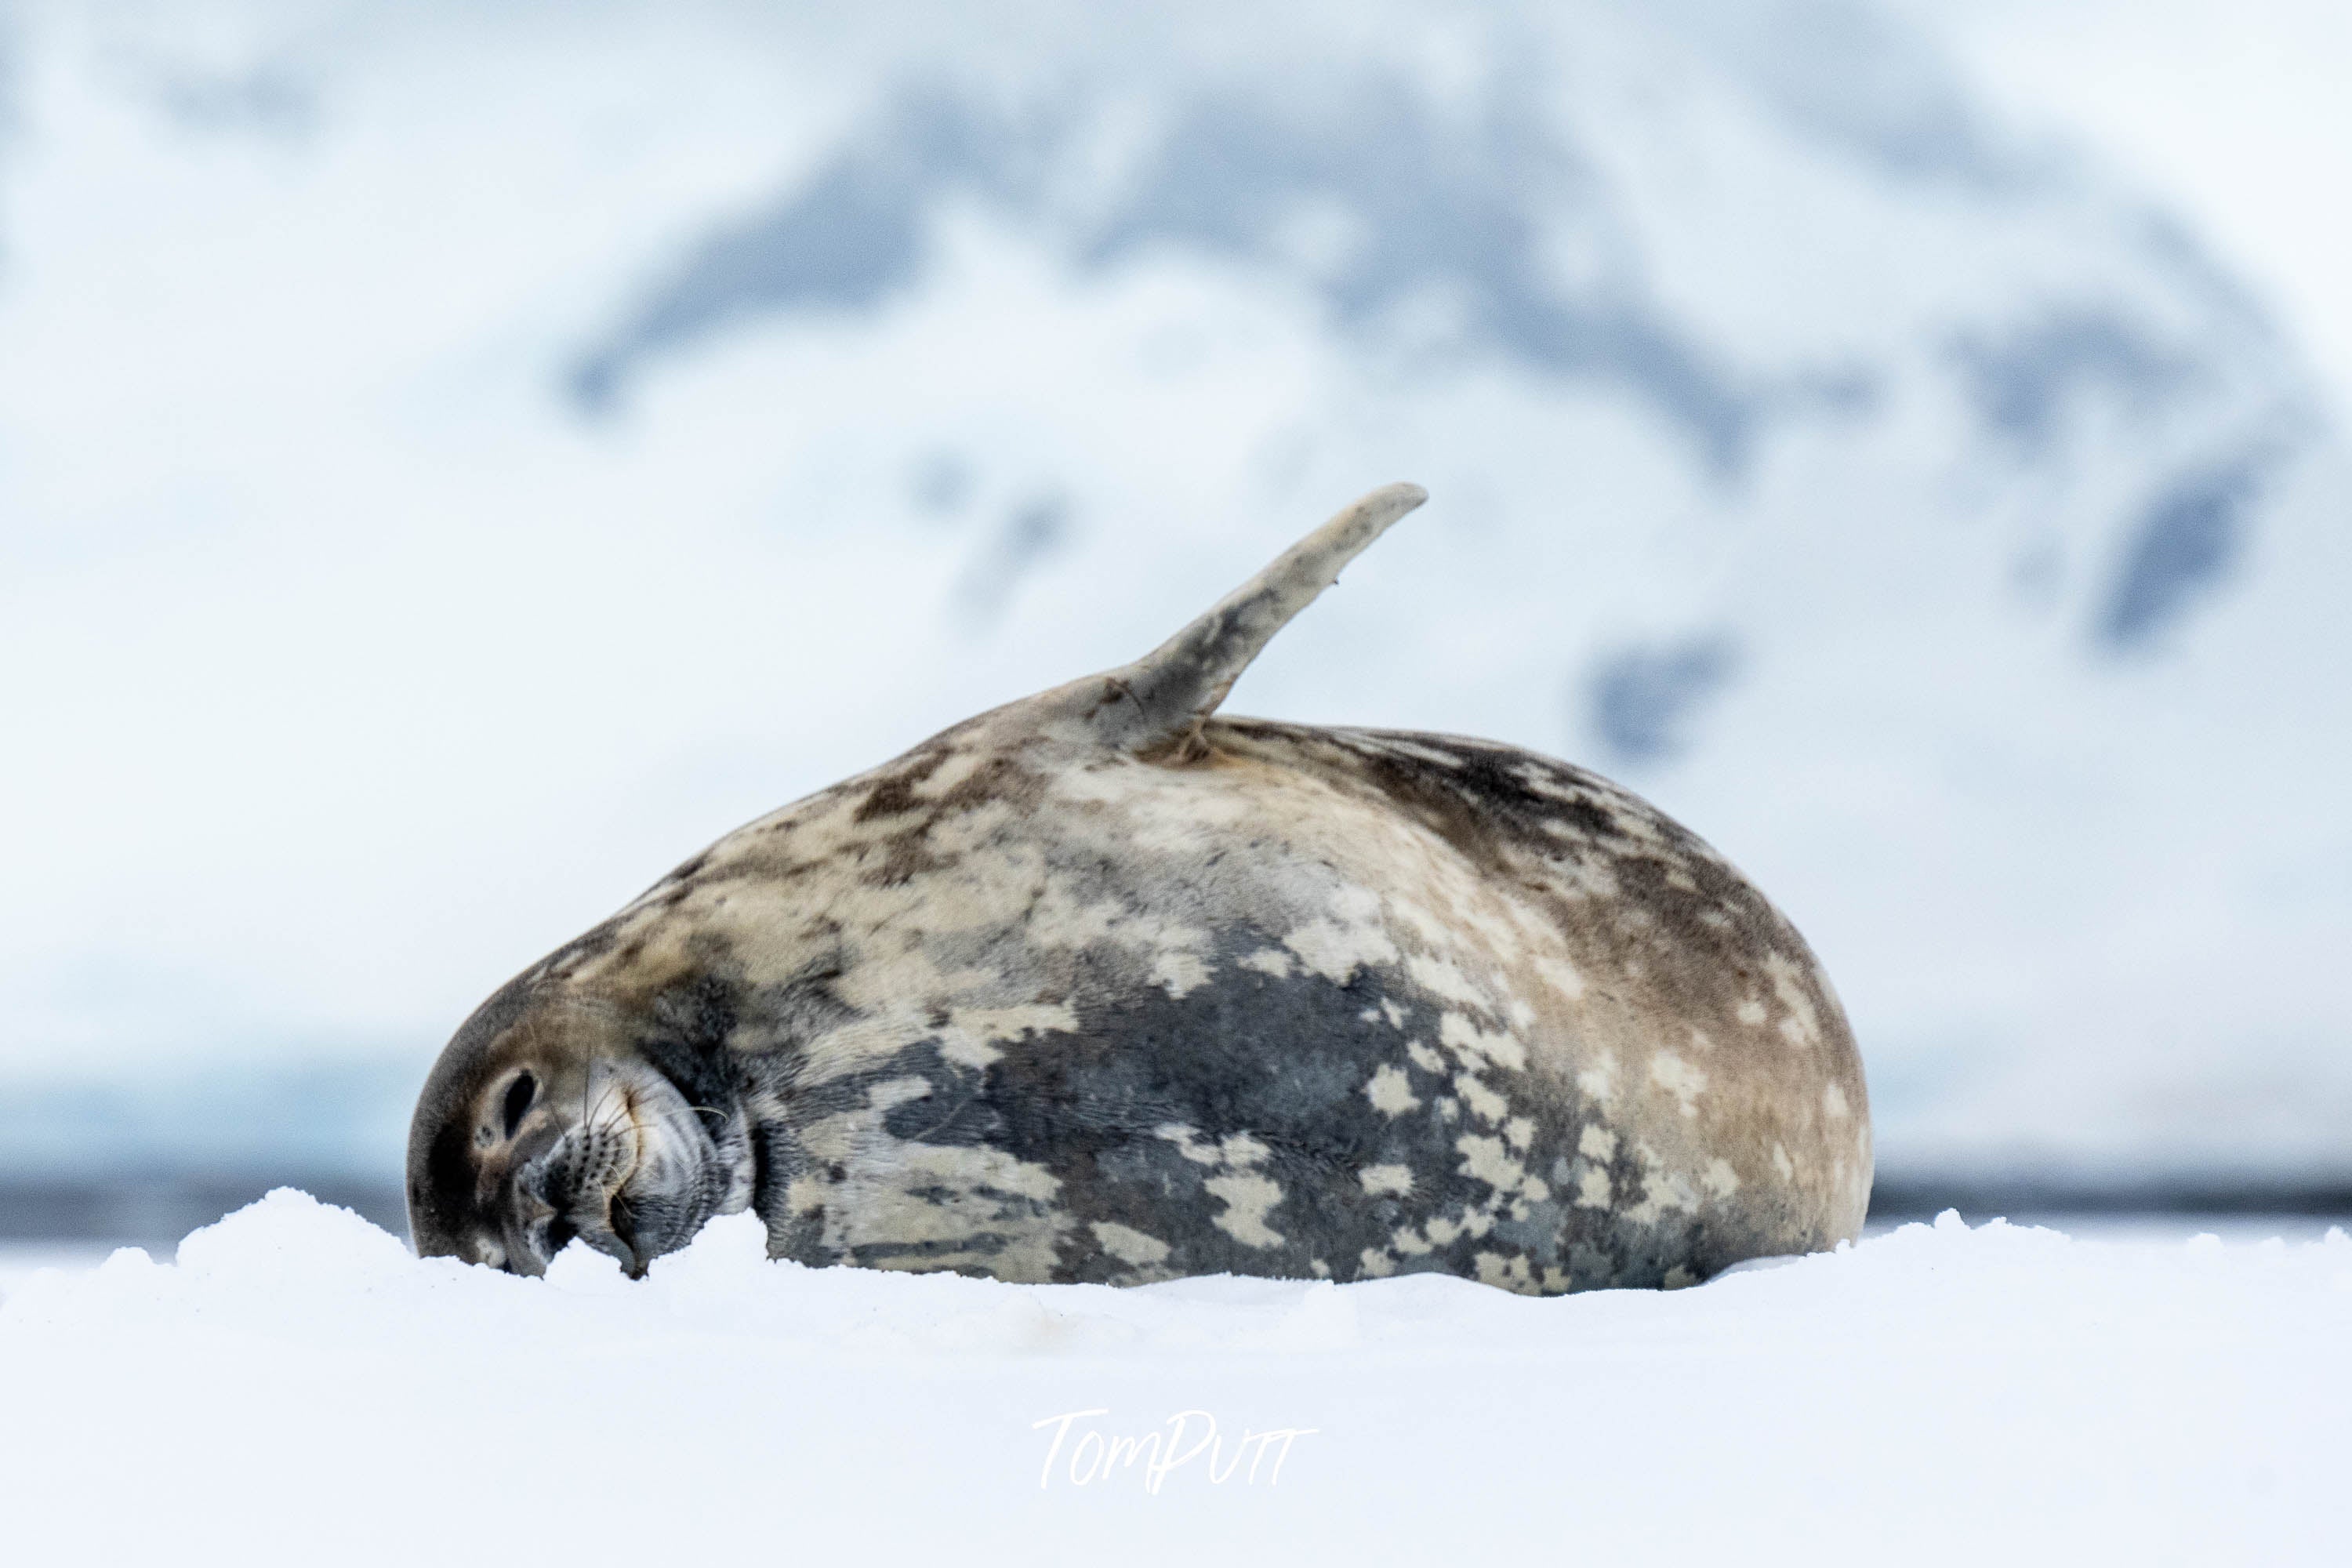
{"points": [[560, 1232], [519, 1095]]}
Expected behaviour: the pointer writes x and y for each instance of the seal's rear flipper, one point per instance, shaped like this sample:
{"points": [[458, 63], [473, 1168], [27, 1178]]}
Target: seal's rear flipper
{"points": [[1155, 707]]}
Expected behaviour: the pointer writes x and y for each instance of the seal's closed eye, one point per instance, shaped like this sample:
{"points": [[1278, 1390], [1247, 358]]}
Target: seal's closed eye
{"points": [[519, 1095]]}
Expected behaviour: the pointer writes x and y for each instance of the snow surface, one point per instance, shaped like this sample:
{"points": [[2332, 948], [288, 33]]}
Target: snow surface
{"points": [[298, 1388]]}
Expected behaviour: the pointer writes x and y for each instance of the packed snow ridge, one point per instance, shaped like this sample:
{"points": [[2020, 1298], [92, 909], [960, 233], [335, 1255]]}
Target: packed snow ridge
{"points": [[297, 1383]]}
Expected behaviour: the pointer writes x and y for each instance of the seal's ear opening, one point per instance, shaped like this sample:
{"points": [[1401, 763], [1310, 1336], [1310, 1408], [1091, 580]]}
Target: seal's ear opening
{"points": [[1154, 708]]}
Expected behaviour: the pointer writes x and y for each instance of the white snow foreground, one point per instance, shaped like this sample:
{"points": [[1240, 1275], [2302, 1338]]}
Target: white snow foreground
{"points": [[298, 1388]]}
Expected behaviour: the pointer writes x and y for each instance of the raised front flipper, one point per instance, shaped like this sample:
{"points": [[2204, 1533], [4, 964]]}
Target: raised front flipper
{"points": [[1154, 708]]}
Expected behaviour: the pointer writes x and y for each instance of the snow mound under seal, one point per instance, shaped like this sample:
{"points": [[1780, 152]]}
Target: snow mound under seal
{"points": [[297, 1387]]}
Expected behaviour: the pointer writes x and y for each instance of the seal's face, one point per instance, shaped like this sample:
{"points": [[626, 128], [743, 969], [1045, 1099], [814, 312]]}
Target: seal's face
{"points": [[543, 1125]]}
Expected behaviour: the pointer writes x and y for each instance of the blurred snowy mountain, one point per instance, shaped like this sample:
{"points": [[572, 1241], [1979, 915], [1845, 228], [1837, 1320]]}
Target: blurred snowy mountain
{"points": [[455, 462]]}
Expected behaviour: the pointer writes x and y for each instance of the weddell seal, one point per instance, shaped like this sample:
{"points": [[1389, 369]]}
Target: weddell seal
{"points": [[1099, 986]]}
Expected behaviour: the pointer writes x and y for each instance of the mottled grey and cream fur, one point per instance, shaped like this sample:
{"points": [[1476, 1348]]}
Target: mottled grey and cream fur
{"points": [[1100, 986]]}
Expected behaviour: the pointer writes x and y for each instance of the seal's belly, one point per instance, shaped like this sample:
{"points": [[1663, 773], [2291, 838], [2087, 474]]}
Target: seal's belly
{"points": [[1526, 1062], [1267, 1124]]}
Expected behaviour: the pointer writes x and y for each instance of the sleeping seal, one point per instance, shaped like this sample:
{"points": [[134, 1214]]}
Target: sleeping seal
{"points": [[1100, 986]]}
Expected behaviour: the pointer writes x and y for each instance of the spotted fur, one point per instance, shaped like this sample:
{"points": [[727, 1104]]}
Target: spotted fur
{"points": [[1101, 987]]}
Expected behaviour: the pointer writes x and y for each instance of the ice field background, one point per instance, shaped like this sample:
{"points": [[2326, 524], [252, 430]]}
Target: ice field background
{"points": [[453, 464]]}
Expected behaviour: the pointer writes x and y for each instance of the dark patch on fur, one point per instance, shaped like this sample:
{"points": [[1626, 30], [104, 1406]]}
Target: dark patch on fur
{"points": [[692, 1022], [893, 795], [1286, 1062], [906, 853]]}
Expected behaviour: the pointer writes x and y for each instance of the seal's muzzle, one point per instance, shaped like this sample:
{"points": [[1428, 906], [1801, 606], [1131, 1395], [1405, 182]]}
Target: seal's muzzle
{"points": [[560, 1132]]}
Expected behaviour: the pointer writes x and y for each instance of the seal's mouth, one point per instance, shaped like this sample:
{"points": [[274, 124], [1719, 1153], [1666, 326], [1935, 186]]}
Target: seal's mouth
{"points": [[634, 1170]]}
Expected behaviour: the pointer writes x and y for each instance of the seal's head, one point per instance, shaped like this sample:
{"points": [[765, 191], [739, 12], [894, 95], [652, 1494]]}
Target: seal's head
{"points": [[550, 1116]]}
